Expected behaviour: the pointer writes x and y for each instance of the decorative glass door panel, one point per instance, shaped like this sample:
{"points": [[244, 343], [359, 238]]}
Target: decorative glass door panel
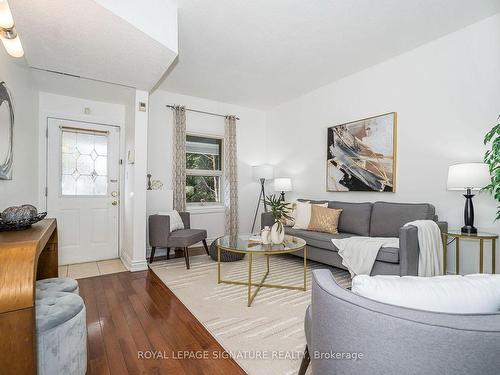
{"points": [[84, 162]]}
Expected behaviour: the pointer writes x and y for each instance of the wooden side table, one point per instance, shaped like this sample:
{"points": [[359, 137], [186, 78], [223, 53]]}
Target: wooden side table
{"points": [[25, 256], [481, 237]]}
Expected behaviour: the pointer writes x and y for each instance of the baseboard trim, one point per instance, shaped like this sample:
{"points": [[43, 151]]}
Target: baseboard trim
{"points": [[133, 266]]}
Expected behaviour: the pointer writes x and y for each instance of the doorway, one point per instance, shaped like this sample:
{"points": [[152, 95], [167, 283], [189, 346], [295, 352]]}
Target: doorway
{"points": [[83, 173]]}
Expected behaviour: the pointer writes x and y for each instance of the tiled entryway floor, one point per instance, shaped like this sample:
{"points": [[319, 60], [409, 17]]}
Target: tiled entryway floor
{"points": [[90, 269]]}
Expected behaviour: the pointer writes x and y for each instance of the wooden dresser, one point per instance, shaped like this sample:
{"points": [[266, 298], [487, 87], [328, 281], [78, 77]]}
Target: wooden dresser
{"points": [[25, 256]]}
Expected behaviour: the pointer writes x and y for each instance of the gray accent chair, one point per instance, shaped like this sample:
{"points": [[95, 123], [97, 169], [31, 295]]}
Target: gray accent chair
{"points": [[394, 340], [379, 219], [161, 236]]}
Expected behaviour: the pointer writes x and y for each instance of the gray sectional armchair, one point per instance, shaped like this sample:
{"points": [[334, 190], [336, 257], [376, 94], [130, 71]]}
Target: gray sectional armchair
{"points": [[379, 219], [350, 334]]}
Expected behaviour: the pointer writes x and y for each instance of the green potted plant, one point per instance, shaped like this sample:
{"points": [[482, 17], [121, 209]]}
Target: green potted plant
{"points": [[280, 211], [492, 158]]}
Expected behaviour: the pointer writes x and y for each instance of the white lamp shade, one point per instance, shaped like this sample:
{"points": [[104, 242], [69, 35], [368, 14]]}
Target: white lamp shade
{"points": [[283, 184], [264, 171], [465, 176]]}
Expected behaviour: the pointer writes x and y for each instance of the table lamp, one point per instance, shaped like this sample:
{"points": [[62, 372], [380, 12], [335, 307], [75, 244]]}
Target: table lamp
{"points": [[283, 184], [468, 177], [262, 173]]}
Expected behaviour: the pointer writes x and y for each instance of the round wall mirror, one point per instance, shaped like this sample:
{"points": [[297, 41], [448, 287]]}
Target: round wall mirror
{"points": [[6, 132]]}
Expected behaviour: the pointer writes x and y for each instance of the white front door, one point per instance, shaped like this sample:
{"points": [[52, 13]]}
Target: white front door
{"points": [[83, 189]]}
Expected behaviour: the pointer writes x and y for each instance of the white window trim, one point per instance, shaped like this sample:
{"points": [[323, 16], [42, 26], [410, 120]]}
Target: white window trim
{"points": [[208, 206], [203, 172]]}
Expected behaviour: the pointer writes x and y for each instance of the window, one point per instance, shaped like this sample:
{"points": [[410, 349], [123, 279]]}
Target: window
{"points": [[203, 169], [84, 163]]}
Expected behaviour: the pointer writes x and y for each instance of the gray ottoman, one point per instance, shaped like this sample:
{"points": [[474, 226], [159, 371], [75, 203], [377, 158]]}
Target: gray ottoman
{"points": [[57, 284], [225, 256], [61, 334]]}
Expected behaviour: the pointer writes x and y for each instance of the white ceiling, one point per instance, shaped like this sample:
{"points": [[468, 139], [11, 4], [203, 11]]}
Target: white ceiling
{"points": [[260, 53], [85, 39]]}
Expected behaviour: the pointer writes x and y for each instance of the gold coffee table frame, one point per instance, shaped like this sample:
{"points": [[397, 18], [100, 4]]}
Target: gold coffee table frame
{"points": [[255, 248]]}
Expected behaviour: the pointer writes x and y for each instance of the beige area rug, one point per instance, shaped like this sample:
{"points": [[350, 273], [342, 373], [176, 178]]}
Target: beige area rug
{"points": [[266, 338]]}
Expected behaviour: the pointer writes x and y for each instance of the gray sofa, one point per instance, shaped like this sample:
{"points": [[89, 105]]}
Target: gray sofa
{"points": [[395, 340], [379, 219]]}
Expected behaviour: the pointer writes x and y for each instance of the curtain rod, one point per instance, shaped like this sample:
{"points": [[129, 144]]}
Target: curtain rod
{"points": [[195, 110]]}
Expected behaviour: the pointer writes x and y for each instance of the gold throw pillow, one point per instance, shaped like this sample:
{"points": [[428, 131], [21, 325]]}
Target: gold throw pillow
{"points": [[324, 219]]}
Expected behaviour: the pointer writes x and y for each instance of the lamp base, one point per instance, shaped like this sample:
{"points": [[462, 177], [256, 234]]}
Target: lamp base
{"points": [[469, 229], [262, 198]]}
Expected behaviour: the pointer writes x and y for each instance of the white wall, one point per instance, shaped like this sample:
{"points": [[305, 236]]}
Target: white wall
{"points": [[23, 186], [129, 179], [447, 96], [157, 18], [133, 251], [250, 143]]}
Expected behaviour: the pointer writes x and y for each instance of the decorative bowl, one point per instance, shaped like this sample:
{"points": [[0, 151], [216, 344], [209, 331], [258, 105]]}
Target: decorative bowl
{"points": [[21, 224]]}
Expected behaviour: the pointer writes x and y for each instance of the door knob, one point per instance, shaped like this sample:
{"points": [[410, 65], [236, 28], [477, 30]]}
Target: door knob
{"points": [[114, 203], [114, 193]]}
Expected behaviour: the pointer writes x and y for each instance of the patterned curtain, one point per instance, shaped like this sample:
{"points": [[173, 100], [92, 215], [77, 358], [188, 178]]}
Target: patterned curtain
{"points": [[179, 159], [230, 176]]}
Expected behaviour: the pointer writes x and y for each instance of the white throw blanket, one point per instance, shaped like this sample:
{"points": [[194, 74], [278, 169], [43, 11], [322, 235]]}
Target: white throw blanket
{"points": [[359, 253], [430, 259]]}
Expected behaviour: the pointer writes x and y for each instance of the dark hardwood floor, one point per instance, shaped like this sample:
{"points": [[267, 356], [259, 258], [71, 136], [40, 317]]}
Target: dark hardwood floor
{"points": [[136, 325]]}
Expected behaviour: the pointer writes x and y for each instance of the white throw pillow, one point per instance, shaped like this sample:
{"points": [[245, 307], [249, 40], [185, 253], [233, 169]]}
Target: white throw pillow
{"points": [[292, 206], [303, 214], [477, 293], [176, 222]]}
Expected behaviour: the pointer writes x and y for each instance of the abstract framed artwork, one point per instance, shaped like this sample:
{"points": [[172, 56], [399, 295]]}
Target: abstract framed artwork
{"points": [[6, 132], [361, 155]]}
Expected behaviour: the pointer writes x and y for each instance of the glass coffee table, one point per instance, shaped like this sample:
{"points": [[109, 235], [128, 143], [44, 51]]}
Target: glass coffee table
{"points": [[244, 243]]}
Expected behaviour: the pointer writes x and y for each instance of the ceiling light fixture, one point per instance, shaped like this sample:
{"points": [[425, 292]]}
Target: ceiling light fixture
{"points": [[8, 33]]}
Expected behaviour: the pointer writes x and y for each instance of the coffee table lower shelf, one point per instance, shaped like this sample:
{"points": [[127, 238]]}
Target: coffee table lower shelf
{"points": [[250, 283]]}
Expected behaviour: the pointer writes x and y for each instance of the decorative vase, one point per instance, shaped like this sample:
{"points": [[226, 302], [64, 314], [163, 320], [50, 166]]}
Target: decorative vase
{"points": [[265, 235], [277, 233]]}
